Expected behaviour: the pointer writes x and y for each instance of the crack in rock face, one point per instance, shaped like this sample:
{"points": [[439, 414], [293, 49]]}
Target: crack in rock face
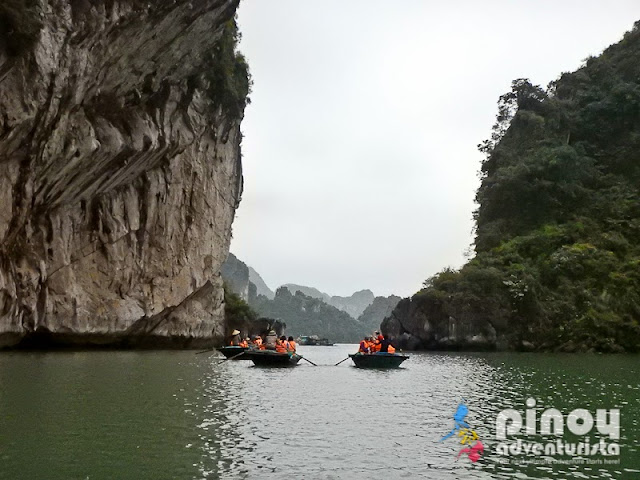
{"points": [[120, 172]]}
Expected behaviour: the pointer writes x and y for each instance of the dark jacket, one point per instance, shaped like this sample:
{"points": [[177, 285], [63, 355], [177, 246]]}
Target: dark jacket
{"points": [[384, 345]]}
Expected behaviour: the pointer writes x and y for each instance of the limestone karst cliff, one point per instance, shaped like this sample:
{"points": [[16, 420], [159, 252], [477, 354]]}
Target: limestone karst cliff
{"points": [[120, 169]]}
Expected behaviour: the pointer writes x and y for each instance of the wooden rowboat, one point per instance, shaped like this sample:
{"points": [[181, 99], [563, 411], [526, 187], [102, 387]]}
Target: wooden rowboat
{"points": [[232, 351], [377, 360], [270, 358]]}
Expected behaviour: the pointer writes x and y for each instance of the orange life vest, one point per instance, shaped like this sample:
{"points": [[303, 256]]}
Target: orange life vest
{"points": [[281, 347], [244, 344], [391, 349], [292, 346]]}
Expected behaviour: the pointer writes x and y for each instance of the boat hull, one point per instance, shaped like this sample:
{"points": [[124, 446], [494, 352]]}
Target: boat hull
{"points": [[232, 351], [377, 360], [269, 358]]}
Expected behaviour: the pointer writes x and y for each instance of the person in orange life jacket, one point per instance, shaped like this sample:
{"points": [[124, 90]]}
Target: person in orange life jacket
{"points": [[365, 346], [375, 347], [256, 342], [281, 344], [292, 344], [245, 343], [235, 338]]}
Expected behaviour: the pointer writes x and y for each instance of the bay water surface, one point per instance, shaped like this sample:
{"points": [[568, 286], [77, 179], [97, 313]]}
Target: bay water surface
{"points": [[177, 415]]}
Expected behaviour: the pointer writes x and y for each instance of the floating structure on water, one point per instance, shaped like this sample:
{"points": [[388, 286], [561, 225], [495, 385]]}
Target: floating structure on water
{"points": [[313, 340]]}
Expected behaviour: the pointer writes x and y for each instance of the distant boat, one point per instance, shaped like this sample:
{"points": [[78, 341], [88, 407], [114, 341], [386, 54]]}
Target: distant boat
{"points": [[377, 360], [313, 340], [270, 358], [232, 350]]}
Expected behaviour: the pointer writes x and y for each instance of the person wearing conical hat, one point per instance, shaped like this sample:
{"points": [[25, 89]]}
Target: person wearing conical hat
{"points": [[235, 338], [270, 340]]}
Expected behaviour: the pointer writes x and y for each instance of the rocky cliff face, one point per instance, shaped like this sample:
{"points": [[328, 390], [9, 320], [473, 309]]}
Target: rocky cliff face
{"points": [[355, 304], [261, 286], [415, 324], [380, 308], [119, 171], [235, 274]]}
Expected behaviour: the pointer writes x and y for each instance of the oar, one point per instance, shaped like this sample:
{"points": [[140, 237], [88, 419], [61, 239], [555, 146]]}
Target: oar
{"points": [[205, 351], [341, 361], [231, 358], [308, 361]]}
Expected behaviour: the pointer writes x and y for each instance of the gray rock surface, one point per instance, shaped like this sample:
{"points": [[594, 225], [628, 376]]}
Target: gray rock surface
{"points": [[235, 274], [416, 324], [354, 304], [119, 177], [380, 308], [261, 287]]}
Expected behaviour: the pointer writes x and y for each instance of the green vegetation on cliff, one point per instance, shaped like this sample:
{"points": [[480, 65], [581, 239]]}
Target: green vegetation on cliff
{"points": [[557, 252], [236, 310], [228, 73]]}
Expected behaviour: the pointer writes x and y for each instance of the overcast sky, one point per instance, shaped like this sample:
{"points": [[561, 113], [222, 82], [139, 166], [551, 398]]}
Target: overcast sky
{"points": [[360, 158]]}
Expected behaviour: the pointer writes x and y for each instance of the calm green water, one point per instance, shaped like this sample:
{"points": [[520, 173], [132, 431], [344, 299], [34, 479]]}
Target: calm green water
{"points": [[176, 415]]}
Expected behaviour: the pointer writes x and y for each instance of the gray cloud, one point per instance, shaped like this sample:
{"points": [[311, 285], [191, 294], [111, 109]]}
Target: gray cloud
{"points": [[360, 152]]}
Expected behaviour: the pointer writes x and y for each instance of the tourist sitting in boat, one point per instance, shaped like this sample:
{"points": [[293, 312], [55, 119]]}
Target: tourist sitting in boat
{"points": [[292, 344], [257, 342], [376, 344], [281, 344], [245, 343], [385, 346], [270, 340], [236, 340], [365, 345]]}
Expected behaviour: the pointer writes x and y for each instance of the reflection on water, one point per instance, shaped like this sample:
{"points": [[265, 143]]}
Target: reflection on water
{"points": [[156, 415]]}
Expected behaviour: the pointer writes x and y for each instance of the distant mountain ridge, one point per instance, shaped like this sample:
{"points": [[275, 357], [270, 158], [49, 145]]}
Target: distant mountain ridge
{"points": [[354, 304], [261, 286], [311, 311], [306, 315], [308, 291]]}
